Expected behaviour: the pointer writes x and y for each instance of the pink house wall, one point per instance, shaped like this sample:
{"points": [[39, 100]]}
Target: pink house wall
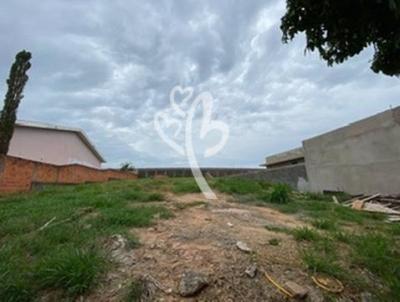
{"points": [[51, 146]]}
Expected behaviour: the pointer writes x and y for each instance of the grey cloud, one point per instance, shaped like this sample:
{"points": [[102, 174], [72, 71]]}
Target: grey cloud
{"points": [[108, 67]]}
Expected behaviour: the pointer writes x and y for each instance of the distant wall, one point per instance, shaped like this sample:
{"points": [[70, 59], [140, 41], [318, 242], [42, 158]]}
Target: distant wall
{"points": [[18, 175], [363, 157], [294, 176], [186, 172]]}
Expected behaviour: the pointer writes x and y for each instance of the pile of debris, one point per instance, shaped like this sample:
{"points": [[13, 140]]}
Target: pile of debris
{"points": [[378, 204]]}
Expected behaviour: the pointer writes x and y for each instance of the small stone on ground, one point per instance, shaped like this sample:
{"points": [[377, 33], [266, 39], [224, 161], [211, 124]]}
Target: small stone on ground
{"points": [[251, 271], [243, 246], [298, 291], [192, 283]]}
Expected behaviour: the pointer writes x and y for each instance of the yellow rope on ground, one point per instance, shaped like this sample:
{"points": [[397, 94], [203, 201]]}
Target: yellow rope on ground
{"points": [[290, 295], [339, 290]]}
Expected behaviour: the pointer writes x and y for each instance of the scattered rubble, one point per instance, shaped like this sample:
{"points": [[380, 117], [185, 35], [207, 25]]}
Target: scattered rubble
{"points": [[298, 291], [251, 270], [118, 247], [243, 247], [377, 204], [192, 283]]}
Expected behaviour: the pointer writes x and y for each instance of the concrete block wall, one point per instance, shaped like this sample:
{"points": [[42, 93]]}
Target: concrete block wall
{"points": [[18, 175], [187, 172], [363, 157], [294, 176]]}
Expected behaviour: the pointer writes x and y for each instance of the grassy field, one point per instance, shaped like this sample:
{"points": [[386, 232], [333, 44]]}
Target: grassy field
{"points": [[340, 242], [53, 241]]}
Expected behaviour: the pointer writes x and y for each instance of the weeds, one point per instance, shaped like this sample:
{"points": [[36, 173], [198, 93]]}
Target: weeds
{"points": [[183, 206], [73, 270], [278, 229], [377, 253], [66, 255], [324, 224], [274, 241], [135, 291], [278, 193], [314, 196], [233, 185], [305, 234], [342, 236], [185, 185], [322, 264], [136, 217]]}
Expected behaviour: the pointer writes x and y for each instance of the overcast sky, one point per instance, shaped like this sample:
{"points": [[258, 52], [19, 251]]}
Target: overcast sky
{"points": [[108, 67]]}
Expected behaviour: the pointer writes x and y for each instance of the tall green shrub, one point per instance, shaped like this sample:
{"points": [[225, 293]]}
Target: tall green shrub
{"points": [[16, 83]]}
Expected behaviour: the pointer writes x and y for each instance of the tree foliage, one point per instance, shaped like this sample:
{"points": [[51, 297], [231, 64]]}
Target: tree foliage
{"points": [[127, 167], [16, 83], [340, 29]]}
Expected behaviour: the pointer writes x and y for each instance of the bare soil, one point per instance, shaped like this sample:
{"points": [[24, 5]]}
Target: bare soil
{"points": [[202, 237]]}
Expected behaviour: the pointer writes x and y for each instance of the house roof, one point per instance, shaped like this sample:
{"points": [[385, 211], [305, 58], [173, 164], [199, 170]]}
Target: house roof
{"points": [[285, 156], [82, 135]]}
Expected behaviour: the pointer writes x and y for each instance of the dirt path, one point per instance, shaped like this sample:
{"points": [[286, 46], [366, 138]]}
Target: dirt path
{"points": [[202, 238]]}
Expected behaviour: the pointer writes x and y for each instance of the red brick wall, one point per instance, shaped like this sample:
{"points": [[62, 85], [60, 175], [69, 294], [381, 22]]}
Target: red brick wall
{"points": [[17, 174]]}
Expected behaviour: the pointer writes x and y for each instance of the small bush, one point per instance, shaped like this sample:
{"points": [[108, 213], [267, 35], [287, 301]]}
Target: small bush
{"points": [[72, 270], [305, 234], [280, 193]]}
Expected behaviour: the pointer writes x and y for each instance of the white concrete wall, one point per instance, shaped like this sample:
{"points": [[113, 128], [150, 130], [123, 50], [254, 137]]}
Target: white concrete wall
{"points": [[363, 157], [51, 146]]}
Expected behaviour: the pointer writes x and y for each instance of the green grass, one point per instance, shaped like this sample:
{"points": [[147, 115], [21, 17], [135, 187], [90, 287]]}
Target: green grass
{"points": [[277, 193], [134, 291], [379, 255], [186, 205], [278, 229], [185, 185], [233, 185], [324, 224], [135, 217], [321, 263], [70, 269], [342, 236], [67, 256], [305, 234]]}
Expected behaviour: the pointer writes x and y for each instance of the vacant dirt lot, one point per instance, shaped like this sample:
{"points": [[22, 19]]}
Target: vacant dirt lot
{"points": [[160, 240], [202, 238]]}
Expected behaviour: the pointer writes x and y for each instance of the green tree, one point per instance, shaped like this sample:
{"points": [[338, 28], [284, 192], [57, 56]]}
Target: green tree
{"points": [[340, 29], [16, 83], [127, 167]]}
